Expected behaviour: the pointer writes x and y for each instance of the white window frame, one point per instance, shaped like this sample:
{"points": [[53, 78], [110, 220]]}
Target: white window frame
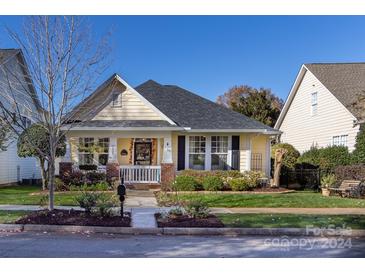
{"points": [[219, 153], [200, 148], [208, 153], [314, 103], [82, 142], [96, 140], [116, 99], [340, 140]]}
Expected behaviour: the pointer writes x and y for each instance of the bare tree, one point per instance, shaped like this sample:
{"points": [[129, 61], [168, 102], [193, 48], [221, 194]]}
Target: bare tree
{"points": [[63, 62], [279, 154]]}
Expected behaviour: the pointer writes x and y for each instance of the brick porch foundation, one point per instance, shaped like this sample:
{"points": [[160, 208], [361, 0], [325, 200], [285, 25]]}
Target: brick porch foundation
{"points": [[167, 176]]}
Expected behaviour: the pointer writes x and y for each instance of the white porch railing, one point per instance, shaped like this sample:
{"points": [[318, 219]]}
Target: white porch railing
{"points": [[141, 174]]}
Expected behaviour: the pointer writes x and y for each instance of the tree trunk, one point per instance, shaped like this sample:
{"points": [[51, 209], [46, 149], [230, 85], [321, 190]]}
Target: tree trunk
{"points": [[43, 173], [279, 154], [51, 182]]}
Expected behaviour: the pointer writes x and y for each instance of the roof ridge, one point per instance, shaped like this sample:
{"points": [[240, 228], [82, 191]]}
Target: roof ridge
{"points": [[335, 63]]}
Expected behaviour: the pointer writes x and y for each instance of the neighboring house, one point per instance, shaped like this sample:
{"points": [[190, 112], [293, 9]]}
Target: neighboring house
{"points": [[325, 106], [155, 129], [13, 168]]}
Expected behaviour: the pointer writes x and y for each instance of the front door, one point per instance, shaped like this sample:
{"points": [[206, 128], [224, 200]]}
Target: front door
{"points": [[142, 153]]}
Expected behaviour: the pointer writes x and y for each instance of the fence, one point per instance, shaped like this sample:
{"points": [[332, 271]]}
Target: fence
{"points": [[301, 178]]}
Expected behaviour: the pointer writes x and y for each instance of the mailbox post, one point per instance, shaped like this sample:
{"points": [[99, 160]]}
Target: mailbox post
{"points": [[121, 192]]}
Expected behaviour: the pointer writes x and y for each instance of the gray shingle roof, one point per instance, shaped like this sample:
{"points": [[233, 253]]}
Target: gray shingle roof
{"points": [[346, 81], [187, 109], [126, 123]]}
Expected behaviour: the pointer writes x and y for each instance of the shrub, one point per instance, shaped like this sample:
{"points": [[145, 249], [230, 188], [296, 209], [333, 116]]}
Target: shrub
{"points": [[328, 181], [350, 172], [290, 157], [60, 185], [94, 177], [248, 181], [87, 200], [104, 205], [88, 167], [212, 183], [74, 178], [186, 183], [43, 201], [356, 192], [358, 155], [197, 209], [327, 158]]}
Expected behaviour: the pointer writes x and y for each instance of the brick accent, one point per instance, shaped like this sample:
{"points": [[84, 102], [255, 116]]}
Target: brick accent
{"points": [[65, 169], [167, 176], [112, 171]]}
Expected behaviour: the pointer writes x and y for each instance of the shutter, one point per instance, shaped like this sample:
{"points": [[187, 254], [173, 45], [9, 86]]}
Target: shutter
{"points": [[235, 153], [180, 152]]}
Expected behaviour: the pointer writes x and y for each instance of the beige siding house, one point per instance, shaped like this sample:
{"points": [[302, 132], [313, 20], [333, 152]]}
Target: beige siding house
{"points": [[13, 168], [324, 107], [155, 129]]}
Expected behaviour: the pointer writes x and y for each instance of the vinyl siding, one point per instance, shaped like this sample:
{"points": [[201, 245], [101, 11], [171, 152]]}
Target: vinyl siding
{"points": [[133, 108], [10, 163], [303, 130], [259, 146]]}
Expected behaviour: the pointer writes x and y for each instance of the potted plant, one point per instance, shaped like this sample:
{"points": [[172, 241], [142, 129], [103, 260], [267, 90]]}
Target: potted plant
{"points": [[327, 182]]}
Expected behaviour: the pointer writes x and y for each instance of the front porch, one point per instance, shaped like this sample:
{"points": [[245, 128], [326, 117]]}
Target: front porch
{"points": [[152, 158]]}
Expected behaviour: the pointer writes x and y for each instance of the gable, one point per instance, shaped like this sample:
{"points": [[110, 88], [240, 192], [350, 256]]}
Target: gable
{"points": [[302, 129], [131, 106]]}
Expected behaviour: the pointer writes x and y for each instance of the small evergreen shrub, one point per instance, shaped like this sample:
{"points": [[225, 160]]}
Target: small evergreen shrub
{"points": [[197, 209], [60, 185], [358, 155], [186, 183], [104, 205], [213, 183], [248, 181], [87, 200], [328, 181], [75, 178], [94, 177]]}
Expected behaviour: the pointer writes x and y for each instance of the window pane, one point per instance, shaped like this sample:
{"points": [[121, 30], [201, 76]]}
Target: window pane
{"points": [[197, 161], [103, 159], [86, 159], [219, 162]]}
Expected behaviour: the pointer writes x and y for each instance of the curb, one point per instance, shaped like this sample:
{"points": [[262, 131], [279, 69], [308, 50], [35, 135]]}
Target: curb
{"points": [[190, 231]]}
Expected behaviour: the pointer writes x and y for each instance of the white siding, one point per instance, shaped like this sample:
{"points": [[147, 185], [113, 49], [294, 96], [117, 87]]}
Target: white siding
{"points": [[303, 130], [133, 108], [10, 163]]}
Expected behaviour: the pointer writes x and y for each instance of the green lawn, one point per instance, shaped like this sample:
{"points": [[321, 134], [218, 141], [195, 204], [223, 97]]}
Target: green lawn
{"points": [[22, 195], [7, 217], [291, 220], [295, 199]]}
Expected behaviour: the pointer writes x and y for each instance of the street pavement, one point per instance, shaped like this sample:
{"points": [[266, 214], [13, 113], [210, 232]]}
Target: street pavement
{"points": [[26, 244]]}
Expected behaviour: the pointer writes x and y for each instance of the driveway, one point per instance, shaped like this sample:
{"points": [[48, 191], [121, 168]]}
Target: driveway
{"points": [[99, 245]]}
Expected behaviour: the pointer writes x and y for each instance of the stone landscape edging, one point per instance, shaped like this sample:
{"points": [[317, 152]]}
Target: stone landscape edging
{"points": [[192, 231]]}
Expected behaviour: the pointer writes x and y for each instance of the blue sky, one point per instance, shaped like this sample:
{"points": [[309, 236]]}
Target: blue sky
{"points": [[210, 54]]}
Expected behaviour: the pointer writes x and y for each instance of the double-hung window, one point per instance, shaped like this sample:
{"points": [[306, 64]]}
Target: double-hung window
{"points": [[103, 151], [339, 140], [197, 152], [314, 103], [86, 155], [219, 152]]}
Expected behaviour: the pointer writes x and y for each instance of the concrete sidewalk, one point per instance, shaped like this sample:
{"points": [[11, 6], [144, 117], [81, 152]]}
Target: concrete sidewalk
{"points": [[274, 210]]}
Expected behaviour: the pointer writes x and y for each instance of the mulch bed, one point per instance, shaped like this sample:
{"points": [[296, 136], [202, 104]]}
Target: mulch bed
{"points": [[186, 221], [73, 217]]}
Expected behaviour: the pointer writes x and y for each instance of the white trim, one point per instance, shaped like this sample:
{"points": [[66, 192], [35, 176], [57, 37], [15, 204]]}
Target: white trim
{"points": [[248, 148], [70, 128], [144, 100], [230, 131], [208, 152], [293, 92], [268, 157], [229, 154]]}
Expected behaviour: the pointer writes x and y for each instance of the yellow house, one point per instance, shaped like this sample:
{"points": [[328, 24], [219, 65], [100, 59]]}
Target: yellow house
{"points": [[152, 131]]}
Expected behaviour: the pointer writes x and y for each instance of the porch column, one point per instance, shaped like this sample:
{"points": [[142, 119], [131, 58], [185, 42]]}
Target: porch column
{"points": [[268, 157], [167, 165], [248, 148], [167, 151], [112, 156], [112, 167], [67, 156]]}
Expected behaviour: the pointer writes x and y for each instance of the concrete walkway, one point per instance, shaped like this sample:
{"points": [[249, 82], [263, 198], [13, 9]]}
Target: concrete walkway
{"points": [[140, 198], [273, 210]]}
